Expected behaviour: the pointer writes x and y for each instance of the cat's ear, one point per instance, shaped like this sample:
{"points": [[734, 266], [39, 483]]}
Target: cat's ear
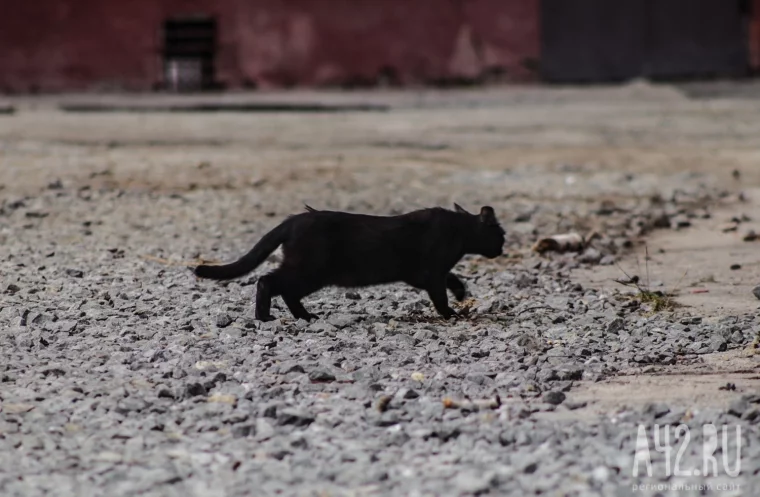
{"points": [[460, 209], [487, 215]]}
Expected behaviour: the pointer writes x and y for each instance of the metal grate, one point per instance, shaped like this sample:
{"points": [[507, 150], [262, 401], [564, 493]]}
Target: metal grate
{"points": [[189, 49]]}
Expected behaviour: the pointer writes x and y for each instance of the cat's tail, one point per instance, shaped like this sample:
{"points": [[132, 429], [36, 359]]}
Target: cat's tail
{"points": [[249, 261]]}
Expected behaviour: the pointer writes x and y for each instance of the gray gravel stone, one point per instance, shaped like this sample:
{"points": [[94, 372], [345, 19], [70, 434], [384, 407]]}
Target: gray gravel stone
{"points": [[223, 320], [590, 256], [194, 389], [295, 417], [554, 397], [474, 482], [738, 407], [718, 344], [341, 320], [321, 375], [616, 325]]}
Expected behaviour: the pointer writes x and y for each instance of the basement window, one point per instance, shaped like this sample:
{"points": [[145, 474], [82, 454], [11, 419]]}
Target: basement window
{"points": [[189, 50]]}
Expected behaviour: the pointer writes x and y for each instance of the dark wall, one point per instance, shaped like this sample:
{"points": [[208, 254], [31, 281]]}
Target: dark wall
{"points": [[588, 40], [688, 38], [84, 44], [754, 35], [598, 40]]}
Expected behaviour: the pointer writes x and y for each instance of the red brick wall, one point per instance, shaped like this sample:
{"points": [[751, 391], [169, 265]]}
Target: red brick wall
{"points": [[328, 41], [509, 32], [83, 44], [316, 42]]}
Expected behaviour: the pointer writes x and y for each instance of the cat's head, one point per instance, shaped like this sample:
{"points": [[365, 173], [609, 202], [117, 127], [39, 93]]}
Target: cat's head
{"points": [[488, 235]]}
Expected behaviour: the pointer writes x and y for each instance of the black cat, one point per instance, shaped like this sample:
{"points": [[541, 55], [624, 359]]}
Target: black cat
{"points": [[328, 248]]}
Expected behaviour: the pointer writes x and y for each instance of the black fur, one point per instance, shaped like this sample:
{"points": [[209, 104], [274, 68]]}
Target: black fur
{"points": [[328, 248]]}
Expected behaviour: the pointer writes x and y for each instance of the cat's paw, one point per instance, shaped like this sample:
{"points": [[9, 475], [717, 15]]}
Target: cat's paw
{"points": [[459, 293], [307, 317], [450, 314]]}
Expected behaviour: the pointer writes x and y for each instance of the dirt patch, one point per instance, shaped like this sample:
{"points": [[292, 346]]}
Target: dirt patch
{"points": [[696, 386], [711, 270]]}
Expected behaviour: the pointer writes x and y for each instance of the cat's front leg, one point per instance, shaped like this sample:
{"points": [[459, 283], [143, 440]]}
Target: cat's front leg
{"points": [[456, 286], [437, 293], [296, 308]]}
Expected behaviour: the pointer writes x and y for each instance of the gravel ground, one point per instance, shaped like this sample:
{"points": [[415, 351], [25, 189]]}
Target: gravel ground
{"points": [[123, 374]]}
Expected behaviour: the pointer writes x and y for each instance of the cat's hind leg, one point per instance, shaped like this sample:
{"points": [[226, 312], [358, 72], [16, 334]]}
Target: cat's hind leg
{"points": [[456, 286], [266, 288], [292, 289]]}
